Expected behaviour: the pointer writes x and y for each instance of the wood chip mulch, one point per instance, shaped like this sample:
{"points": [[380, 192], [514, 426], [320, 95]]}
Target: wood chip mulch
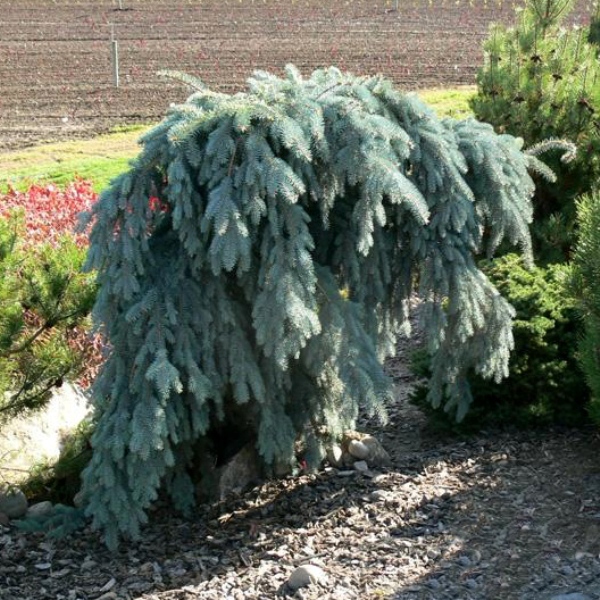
{"points": [[504, 516]]}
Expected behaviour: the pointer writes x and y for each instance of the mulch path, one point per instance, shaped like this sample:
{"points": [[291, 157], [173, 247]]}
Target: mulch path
{"points": [[504, 515]]}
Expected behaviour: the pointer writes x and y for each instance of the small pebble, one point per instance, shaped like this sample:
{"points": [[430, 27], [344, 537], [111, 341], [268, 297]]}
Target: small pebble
{"points": [[379, 495], [464, 561], [305, 575], [345, 473], [88, 564], [357, 449], [361, 465], [434, 584]]}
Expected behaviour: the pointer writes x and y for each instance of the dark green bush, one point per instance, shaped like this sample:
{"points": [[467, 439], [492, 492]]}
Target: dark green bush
{"points": [[594, 32], [545, 385], [586, 266], [540, 81]]}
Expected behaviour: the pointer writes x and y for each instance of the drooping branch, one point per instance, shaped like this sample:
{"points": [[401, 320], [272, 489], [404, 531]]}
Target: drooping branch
{"points": [[298, 219]]}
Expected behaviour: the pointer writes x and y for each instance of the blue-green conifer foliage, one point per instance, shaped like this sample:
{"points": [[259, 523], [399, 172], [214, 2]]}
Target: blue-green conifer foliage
{"points": [[272, 271]]}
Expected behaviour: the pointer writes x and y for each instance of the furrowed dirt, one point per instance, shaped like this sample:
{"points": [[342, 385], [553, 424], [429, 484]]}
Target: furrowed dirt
{"points": [[55, 57]]}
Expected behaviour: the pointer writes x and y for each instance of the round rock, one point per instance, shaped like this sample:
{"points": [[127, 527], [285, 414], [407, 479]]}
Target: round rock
{"points": [[361, 465], [378, 456], [357, 449], [335, 456], [40, 509], [13, 503], [305, 575]]}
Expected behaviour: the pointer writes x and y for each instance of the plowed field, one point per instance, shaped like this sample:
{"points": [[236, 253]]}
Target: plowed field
{"points": [[55, 55]]}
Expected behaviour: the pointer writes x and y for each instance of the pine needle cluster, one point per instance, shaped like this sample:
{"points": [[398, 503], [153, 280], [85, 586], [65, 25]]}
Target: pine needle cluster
{"points": [[44, 299], [541, 81]]}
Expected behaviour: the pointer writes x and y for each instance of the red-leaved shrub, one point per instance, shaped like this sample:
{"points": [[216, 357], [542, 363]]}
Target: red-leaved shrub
{"points": [[50, 213]]}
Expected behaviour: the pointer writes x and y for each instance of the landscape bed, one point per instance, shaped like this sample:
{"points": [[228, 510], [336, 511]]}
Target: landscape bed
{"points": [[492, 516]]}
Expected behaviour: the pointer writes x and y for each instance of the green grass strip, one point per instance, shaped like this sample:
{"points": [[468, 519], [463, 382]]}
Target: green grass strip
{"points": [[102, 158], [98, 160]]}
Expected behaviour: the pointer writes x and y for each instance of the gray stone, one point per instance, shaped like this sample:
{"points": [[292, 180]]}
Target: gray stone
{"points": [[305, 575], [335, 456], [378, 456], [39, 437], [78, 499], [345, 473], [361, 465], [40, 509], [239, 472], [571, 596], [88, 564], [464, 561], [358, 450], [379, 495], [13, 503]]}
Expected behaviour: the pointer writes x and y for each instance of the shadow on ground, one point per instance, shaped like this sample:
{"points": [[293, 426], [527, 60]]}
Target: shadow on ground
{"points": [[508, 516]]}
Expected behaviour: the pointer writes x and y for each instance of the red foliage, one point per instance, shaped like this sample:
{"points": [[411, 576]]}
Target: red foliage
{"points": [[49, 213], [157, 205], [49, 210]]}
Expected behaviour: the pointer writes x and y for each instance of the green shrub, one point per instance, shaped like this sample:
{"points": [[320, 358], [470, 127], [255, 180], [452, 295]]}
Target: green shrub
{"points": [[586, 266], [541, 81], [44, 299], [594, 31], [545, 385]]}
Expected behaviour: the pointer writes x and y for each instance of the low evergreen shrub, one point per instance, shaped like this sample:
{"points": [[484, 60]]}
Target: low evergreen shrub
{"points": [[545, 384], [541, 81], [586, 266], [45, 300], [47, 217]]}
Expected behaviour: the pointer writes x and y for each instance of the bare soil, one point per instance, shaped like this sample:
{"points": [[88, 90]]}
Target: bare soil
{"points": [[55, 57]]}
